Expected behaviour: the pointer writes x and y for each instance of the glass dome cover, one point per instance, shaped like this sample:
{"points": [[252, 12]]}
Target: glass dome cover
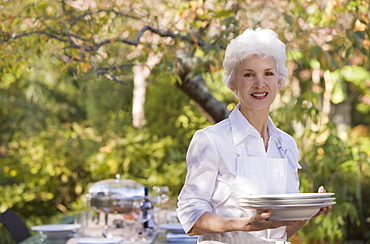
{"points": [[116, 189], [114, 195]]}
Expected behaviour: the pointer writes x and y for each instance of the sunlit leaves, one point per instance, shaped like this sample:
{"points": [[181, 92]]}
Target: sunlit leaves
{"points": [[294, 55], [85, 67], [62, 128], [357, 75], [223, 13]]}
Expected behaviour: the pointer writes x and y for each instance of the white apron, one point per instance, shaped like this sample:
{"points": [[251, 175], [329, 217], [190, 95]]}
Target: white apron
{"points": [[255, 175]]}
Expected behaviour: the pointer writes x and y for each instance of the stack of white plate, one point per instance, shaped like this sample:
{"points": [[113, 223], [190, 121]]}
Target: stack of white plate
{"points": [[286, 207]]}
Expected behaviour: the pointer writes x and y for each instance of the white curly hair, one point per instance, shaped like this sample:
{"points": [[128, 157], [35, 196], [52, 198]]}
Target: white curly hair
{"points": [[261, 42]]}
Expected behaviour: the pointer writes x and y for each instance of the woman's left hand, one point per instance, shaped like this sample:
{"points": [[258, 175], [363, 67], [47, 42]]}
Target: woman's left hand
{"points": [[291, 229], [324, 209]]}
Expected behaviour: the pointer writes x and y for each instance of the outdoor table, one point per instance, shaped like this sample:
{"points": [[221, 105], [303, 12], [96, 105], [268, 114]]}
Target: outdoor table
{"points": [[97, 230], [160, 239]]}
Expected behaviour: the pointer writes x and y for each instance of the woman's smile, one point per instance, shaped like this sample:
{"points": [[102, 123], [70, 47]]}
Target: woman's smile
{"points": [[259, 95]]}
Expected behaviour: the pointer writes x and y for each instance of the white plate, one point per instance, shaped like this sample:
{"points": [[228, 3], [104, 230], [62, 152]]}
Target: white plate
{"points": [[287, 201], [173, 227], [171, 237], [100, 240], [286, 206], [288, 196], [290, 212], [55, 227], [293, 214], [56, 231], [296, 213]]}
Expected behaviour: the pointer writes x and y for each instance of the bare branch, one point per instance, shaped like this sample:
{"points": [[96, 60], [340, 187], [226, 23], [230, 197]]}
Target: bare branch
{"points": [[115, 68], [170, 34], [136, 41], [90, 13], [111, 77], [13, 37]]}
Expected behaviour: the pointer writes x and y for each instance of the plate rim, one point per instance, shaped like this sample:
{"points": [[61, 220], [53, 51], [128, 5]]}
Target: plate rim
{"points": [[67, 227], [287, 196], [176, 226], [316, 205], [279, 201]]}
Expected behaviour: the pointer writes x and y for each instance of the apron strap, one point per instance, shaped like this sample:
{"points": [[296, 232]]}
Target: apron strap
{"points": [[284, 152]]}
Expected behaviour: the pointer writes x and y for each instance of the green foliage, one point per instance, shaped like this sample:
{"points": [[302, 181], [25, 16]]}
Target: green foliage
{"points": [[64, 125], [341, 166]]}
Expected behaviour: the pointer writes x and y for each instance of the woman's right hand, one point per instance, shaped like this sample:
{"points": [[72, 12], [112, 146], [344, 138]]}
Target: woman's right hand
{"points": [[209, 223], [261, 221]]}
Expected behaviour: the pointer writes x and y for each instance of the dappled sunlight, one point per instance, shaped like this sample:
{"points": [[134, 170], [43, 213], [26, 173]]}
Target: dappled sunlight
{"points": [[66, 96]]}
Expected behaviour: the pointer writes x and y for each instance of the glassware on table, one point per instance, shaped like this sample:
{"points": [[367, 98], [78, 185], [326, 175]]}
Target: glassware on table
{"points": [[130, 227], [143, 214], [113, 196], [159, 195], [81, 219], [139, 210]]}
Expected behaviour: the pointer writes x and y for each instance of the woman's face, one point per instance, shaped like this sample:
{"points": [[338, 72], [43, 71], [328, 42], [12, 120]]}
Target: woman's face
{"points": [[256, 83]]}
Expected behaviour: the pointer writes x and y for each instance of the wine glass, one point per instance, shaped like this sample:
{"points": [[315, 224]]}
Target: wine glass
{"points": [[159, 198], [160, 195]]}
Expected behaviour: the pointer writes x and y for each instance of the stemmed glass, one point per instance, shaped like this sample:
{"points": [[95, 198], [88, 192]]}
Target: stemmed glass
{"points": [[159, 198], [160, 195]]}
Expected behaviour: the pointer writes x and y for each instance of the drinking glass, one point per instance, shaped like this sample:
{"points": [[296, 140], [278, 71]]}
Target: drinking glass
{"points": [[159, 195]]}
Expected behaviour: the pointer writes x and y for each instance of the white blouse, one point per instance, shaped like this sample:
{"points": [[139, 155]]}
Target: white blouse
{"points": [[211, 156]]}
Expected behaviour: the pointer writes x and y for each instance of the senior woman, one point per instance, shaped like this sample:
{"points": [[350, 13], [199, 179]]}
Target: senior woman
{"points": [[244, 154]]}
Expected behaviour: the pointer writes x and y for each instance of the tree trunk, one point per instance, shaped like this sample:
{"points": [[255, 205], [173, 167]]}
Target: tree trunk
{"points": [[141, 75], [198, 91]]}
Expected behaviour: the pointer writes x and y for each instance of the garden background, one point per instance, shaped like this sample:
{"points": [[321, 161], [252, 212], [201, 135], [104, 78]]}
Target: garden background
{"points": [[94, 88]]}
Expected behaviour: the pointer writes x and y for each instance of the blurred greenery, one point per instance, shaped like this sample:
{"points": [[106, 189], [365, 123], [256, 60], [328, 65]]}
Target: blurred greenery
{"points": [[65, 123]]}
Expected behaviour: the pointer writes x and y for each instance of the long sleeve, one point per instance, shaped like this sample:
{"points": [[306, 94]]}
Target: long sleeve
{"points": [[195, 197]]}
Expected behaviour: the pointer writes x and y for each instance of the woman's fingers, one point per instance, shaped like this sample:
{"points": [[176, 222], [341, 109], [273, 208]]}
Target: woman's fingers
{"points": [[318, 213], [262, 220], [266, 215], [321, 190], [324, 209]]}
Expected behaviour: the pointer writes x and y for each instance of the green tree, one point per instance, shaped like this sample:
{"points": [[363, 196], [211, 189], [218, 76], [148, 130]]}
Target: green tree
{"points": [[67, 83]]}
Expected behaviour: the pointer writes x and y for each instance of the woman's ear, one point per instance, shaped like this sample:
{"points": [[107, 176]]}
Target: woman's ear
{"points": [[280, 84], [232, 85]]}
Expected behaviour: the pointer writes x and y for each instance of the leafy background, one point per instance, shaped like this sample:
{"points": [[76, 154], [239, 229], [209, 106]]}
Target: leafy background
{"points": [[65, 124]]}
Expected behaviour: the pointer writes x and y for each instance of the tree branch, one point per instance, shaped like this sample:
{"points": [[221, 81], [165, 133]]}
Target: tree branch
{"points": [[110, 76], [13, 37], [198, 91]]}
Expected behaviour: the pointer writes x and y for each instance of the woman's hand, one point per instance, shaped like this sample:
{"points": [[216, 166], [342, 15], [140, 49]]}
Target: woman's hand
{"points": [[261, 221], [209, 223], [292, 229], [324, 209]]}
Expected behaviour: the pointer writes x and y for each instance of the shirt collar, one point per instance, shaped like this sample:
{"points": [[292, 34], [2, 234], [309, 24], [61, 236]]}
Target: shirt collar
{"points": [[273, 130], [241, 128]]}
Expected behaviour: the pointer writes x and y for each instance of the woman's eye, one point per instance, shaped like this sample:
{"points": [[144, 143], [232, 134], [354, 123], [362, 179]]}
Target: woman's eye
{"points": [[248, 74], [269, 73]]}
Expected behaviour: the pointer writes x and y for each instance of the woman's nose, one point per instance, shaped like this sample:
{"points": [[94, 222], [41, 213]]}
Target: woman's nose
{"points": [[259, 83]]}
